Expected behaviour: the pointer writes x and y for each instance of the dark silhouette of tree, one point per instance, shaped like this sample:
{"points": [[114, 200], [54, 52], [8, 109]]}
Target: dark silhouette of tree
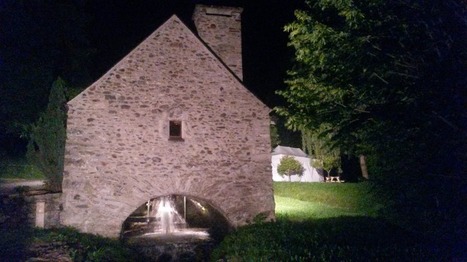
{"points": [[39, 40], [388, 78], [46, 147]]}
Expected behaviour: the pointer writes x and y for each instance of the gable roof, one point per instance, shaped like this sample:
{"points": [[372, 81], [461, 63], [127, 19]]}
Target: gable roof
{"points": [[165, 35], [290, 151]]}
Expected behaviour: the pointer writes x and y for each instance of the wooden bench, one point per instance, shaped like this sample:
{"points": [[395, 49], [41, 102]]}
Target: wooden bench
{"points": [[333, 179]]}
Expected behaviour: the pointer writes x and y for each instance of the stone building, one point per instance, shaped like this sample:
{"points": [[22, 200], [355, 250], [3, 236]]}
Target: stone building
{"points": [[172, 117]]}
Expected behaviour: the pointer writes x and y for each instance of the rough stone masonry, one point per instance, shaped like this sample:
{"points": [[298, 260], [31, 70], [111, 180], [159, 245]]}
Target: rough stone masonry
{"points": [[122, 148]]}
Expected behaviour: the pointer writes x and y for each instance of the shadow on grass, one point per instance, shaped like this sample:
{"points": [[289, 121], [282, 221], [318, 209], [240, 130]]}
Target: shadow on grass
{"points": [[330, 239]]}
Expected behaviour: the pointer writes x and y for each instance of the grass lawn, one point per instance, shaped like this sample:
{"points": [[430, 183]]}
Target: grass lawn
{"points": [[303, 201], [298, 210], [327, 222]]}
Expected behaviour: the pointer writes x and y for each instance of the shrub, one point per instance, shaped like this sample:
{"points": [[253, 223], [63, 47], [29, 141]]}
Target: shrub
{"points": [[336, 239], [288, 166], [87, 247]]}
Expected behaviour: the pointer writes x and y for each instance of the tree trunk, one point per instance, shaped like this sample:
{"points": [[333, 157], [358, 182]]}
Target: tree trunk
{"points": [[329, 174], [363, 166]]}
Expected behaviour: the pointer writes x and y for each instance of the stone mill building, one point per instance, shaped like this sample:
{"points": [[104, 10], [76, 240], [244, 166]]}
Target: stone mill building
{"points": [[172, 117]]}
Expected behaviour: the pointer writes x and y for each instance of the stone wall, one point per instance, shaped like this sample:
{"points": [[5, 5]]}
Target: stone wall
{"points": [[51, 211], [119, 153], [23, 209]]}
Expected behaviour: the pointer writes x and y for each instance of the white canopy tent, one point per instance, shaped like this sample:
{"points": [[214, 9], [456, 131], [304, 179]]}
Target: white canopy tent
{"points": [[309, 175]]}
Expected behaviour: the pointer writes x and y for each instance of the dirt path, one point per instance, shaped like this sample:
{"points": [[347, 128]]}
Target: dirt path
{"points": [[8, 186]]}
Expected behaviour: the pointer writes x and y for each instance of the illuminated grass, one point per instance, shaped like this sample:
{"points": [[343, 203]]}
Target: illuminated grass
{"points": [[302, 201], [298, 210], [326, 222]]}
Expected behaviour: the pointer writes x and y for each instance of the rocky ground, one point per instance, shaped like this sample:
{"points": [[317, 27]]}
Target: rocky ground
{"points": [[50, 252]]}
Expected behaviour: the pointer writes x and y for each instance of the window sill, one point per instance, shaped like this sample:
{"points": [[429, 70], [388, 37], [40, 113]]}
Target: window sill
{"points": [[176, 139]]}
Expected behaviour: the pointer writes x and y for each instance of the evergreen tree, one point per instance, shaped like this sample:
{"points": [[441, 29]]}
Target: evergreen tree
{"points": [[46, 147]]}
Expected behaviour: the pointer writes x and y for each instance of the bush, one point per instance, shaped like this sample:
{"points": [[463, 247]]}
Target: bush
{"points": [[87, 247], [335, 239]]}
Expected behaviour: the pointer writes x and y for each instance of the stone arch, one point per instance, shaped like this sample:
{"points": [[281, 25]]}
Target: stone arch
{"points": [[196, 212]]}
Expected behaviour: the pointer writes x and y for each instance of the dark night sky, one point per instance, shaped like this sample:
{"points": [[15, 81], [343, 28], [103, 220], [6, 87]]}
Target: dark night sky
{"points": [[37, 33], [118, 26]]}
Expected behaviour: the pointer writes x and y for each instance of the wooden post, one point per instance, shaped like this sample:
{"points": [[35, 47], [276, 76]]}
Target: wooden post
{"points": [[148, 204], [40, 214], [184, 207], [363, 166]]}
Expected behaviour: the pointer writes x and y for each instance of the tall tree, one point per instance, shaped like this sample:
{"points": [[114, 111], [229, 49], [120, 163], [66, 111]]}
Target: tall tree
{"points": [[389, 78], [381, 74], [46, 147], [324, 155], [39, 40]]}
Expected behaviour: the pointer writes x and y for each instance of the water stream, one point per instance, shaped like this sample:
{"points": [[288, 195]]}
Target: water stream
{"points": [[167, 218], [174, 228]]}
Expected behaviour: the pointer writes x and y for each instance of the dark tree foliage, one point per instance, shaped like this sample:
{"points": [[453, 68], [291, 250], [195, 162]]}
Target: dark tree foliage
{"points": [[46, 147], [39, 40], [388, 78]]}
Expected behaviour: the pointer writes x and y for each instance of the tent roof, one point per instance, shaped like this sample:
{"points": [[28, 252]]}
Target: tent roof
{"points": [[291, 151]]}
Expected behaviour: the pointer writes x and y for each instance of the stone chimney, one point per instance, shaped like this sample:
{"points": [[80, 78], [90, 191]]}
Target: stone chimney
{"points": [[221, 29]]}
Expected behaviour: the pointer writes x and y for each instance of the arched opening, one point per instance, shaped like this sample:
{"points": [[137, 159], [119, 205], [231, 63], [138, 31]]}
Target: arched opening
{"points": [[176, 218]]}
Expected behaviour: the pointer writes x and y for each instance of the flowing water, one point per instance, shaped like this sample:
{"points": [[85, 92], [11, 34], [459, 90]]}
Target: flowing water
{"points": [[173, 228], [167, 218]]}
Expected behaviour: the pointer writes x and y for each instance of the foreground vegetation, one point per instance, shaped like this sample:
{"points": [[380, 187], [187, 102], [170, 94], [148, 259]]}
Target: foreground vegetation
{"points": [[331, 239], [328, 222], [315, 222], [61, 245]]}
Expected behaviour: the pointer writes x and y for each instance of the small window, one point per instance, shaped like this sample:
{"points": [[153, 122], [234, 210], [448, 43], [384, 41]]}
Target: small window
{"points": [[175, 130]]}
